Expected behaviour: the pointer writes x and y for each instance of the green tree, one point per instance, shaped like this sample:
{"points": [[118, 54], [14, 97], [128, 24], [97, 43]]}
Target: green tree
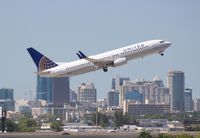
{"points": [[132, 120], [50, 118], [145, 134], [102, 120], [165, 136], [27, 125], [197, 136], [10, 125], [120, 119], [175, 136], [56, 126], [184, 136]]}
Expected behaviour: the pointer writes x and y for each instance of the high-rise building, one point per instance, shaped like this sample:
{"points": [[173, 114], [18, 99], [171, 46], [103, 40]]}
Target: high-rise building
{"points": [[163, 95], [113, 98], [196, 105], [102, 103], [188, 103], [26, 110], [73, 96], [60, 91], [44, 89], [87, 93], [54, 90], [117, 81], [134, 96], [176, 85], [127, 86], [153, 92], [7, 99]]}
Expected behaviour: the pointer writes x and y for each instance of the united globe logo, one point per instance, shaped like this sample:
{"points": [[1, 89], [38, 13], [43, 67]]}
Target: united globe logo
{"points": [[46, 63]]}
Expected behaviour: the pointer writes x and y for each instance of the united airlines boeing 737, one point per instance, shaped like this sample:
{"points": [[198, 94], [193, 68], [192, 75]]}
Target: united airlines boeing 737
{"points": [[48, 68]]}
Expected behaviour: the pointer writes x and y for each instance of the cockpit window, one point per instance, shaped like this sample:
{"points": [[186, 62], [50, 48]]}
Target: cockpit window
{"points": [[162, 41]]}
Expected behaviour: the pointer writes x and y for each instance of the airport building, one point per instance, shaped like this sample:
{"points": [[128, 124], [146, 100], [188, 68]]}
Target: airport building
{"points": [[7, 99], [152, 122], [143, 109], [176, 85]]}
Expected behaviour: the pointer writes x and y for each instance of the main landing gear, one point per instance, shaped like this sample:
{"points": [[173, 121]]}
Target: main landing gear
{"points": [[105, 69], [162, 54]]}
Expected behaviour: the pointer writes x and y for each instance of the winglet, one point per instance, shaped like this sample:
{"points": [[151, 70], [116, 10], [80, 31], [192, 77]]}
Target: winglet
{"points": [[82, 55], [79, 55]]}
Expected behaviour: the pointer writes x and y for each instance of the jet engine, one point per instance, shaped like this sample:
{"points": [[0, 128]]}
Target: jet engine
{"points": [[119, 62]]}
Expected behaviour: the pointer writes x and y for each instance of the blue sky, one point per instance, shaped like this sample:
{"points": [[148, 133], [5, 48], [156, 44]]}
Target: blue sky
{"points": [[59, 28]]}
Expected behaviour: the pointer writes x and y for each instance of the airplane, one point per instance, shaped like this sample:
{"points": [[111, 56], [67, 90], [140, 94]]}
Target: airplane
{"points": [[48, 68]]}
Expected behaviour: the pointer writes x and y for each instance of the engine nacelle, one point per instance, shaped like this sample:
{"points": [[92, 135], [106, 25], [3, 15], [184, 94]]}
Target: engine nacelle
{"points": [[119, 62]]}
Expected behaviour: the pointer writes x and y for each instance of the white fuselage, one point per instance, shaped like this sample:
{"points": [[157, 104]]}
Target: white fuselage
{"points": [[122, 54]]}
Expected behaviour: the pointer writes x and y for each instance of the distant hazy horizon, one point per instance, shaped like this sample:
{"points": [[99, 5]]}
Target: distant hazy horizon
{"points": [[58, 29]]}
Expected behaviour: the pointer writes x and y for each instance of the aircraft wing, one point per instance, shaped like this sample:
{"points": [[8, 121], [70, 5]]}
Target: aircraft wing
{"points": [[97, 62]]}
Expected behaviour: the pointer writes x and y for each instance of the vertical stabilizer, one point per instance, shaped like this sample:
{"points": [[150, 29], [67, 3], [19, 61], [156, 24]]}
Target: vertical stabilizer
{"points": [[41, 61]]}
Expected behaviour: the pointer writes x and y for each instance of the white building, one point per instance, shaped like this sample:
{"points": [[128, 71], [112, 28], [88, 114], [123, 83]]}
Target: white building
{"points": [[87, 93], [154, 92], [37, 111], [196, 105]]}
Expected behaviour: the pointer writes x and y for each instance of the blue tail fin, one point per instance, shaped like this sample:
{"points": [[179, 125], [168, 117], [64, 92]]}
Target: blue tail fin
{"points": [[41, 61]]}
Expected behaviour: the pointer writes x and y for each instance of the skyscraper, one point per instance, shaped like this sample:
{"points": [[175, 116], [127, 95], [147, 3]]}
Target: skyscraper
{"points": [[176, 84], [87, 93], [44, 89], [188, 103], [7, 99], [113, 98], [134, 96], [117, 81], [54, 90], [60, 91], [154, 92], [73, 96]]}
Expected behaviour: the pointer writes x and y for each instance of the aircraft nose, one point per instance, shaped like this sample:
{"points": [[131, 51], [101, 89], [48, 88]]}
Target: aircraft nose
{"points": [[168, 43]]}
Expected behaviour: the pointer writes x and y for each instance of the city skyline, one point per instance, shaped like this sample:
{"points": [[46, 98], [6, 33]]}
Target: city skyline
{"points": [[115, 83], [138, 92], [60, 29]]}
